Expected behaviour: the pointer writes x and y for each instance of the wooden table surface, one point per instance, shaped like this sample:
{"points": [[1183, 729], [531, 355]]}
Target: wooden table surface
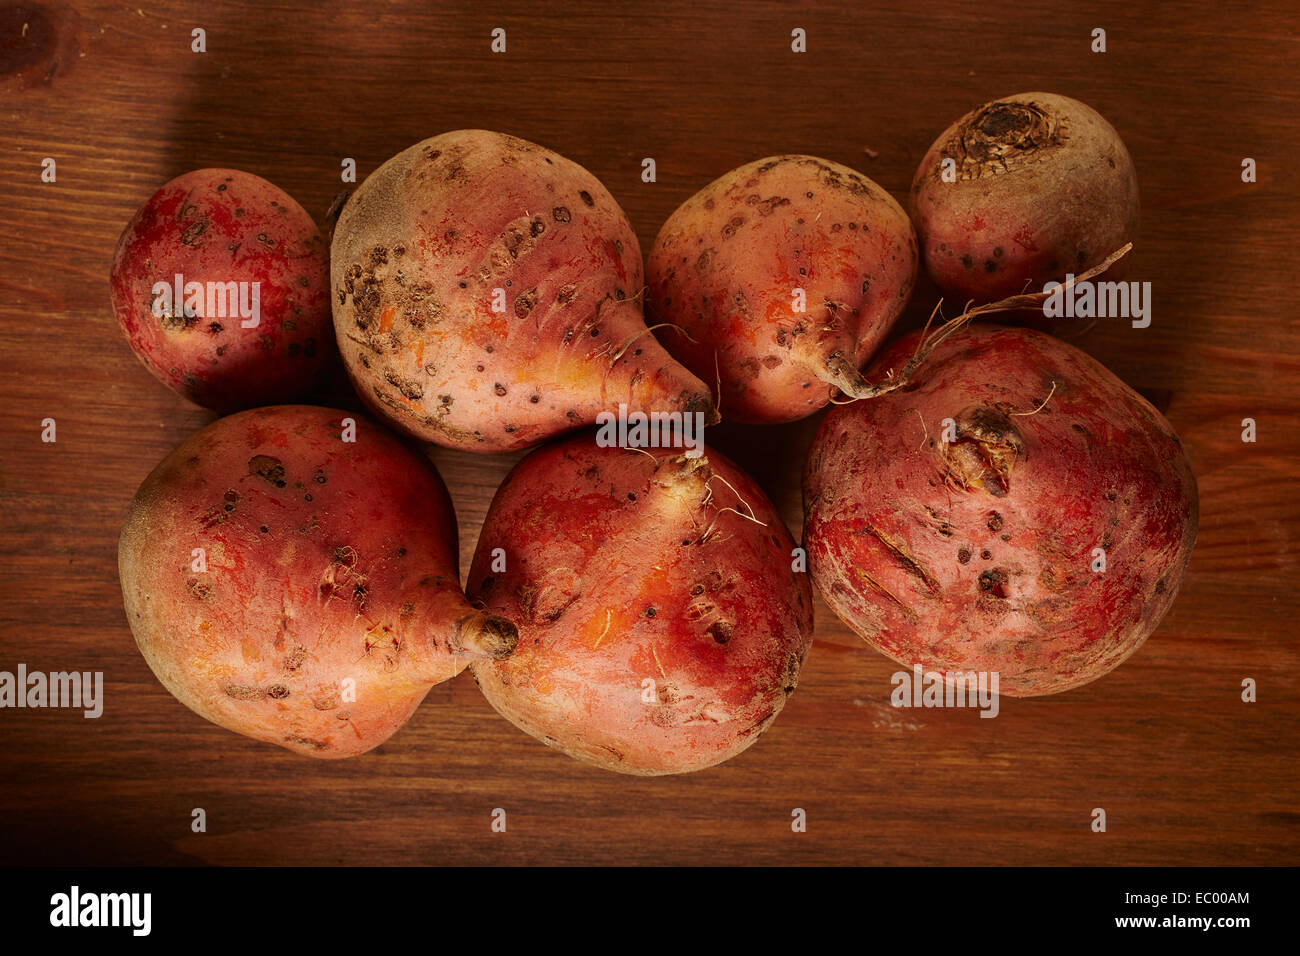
{"points": [[1186, 771]]}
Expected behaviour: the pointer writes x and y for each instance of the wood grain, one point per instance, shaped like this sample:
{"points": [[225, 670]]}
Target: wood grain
{"points": [[1187, 772]]}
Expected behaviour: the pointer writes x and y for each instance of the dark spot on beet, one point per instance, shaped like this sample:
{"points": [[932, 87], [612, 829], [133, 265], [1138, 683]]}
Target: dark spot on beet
{"points": [[994, 581], [409, 387], [963, 556], [192, 233], [720, 631], [986, 555], [277, 692], [967, 261], [524, 302], [244, 691], [1004, 118], [269, 469], [995, 521], [586, 197]]}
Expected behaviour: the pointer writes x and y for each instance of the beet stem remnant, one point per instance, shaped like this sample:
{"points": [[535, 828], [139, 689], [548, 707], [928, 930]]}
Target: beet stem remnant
{"points": [[841, 373]]}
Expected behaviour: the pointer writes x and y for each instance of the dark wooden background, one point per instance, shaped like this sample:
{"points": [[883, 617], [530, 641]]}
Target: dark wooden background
{"points": [[1186, 771]]}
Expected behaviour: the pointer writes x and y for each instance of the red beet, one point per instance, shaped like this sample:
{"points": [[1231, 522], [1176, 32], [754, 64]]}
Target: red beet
{"points": [[723, 273], [488, 297], [953, 523], [661, 627], [1043, 186], [229, 235], [327, 601]]}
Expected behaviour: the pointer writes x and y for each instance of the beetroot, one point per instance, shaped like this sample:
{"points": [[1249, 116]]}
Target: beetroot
{"points": [[487, 297], [296, 586], [254, 276], [1042, 187], [661, 627], [961, 523], [725, 268]]}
